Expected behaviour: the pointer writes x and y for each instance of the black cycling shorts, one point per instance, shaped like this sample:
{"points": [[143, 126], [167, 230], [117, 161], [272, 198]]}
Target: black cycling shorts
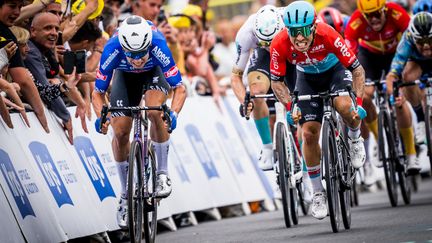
{"points": [[335, 79], [374, 64], [128, 88], [260, 61]]}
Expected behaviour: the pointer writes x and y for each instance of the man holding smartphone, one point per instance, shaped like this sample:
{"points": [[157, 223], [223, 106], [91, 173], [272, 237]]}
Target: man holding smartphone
{"points": [[9, 12]]}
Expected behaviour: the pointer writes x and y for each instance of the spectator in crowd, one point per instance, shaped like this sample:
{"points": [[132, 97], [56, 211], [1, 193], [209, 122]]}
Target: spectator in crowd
{"points": [[42, 64], [224, 51], [110, 21], [10, 90], [9, 12]]}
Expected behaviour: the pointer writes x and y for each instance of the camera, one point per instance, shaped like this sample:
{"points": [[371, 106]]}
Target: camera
{"points": [[161, 16], [74, 59]]}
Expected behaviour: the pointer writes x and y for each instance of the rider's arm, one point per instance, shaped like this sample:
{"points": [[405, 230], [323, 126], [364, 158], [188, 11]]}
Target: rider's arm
{"points": [[403, 52], [278, 68], [352, 31], [245, 41]]}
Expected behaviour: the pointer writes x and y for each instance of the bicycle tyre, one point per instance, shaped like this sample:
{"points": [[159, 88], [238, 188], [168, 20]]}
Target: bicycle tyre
{"points": [[330, 157], [385, 137], [303, 204], [150, 202], [354, 194], [135, 198], [428, 125], [345, 193], [283, 172], [294, 197]]}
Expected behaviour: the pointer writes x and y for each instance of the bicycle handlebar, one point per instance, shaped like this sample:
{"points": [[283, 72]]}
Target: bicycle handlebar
{"points": [[164, 108]]}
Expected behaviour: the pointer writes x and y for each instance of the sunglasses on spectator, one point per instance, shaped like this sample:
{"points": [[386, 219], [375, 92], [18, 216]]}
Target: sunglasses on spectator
{"points": [[58, 13], [377, 14], [264, 43], [136, 55], [423, 41], [305, 31]]}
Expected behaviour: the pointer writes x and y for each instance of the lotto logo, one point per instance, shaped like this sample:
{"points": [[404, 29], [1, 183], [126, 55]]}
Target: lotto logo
{"points": [[342, 47], [100, 76]]}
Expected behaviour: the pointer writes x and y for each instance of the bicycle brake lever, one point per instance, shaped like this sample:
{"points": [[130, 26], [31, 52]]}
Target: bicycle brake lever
{"points": [[104, 114], [246, 103]]}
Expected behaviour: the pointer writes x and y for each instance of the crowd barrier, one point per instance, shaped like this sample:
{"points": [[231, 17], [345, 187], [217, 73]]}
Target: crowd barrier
{"points": [[52, 191]]}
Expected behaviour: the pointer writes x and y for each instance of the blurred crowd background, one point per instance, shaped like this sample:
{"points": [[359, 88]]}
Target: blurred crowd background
{"points": [[41, 40]]}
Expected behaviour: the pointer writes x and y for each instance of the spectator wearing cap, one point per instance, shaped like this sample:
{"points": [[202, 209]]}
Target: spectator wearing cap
{"points": [[42, 64], [9, 12]]}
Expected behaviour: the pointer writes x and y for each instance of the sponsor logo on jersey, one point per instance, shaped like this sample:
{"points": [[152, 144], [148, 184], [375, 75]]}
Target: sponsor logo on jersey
{"points": [[239, 49], [171, 72], [355, 24], [100, 76], [396, 14], [342, 47], [160, 55], [110, 59], [317, 48], [274, 58]]}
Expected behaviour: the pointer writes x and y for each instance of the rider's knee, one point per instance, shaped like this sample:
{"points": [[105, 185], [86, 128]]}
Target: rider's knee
{"points": [[122, 136], [310, 136], [408, 76], [154, 116]]}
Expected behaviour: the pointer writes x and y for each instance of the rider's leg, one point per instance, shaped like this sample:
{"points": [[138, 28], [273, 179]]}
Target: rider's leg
{"points": [[369, 176], [404, 121], [371, 119], [120, 145], [413, 94]]}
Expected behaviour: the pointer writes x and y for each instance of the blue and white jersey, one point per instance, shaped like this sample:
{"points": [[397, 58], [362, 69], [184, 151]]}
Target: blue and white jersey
{"points": [[406, 51], [113, 58]]}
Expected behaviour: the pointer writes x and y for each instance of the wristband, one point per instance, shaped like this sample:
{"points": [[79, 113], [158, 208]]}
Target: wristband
{"points": [[288, 106], [237, 71], [359, 101]]}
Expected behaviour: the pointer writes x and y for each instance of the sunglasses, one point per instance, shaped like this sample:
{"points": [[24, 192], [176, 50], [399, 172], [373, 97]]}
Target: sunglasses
{"points": [[58, 13], [136, 55], [264, 43], [377, 14], [305, 31], [423, 41]]}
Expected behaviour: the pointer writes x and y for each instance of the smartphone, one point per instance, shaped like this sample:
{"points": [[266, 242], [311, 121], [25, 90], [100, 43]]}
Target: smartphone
{"points": [[69, 62], [59, 39], [80, 61], [161, 16]]}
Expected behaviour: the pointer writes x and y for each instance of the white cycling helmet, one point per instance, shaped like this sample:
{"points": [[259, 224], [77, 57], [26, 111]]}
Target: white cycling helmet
{"points": [[268, 22], [135, 34]]}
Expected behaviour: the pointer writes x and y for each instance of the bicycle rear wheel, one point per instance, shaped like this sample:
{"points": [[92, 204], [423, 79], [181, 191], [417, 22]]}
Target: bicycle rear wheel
{"points": [[330, 158], [281, 156], [135, 197], [150, 203], [428, 123], [387, 155]]}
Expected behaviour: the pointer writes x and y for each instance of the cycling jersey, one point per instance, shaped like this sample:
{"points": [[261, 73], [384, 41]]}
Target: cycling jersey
{"points": [[358, 31], [406, 50], [328, 48], [113, 58]]}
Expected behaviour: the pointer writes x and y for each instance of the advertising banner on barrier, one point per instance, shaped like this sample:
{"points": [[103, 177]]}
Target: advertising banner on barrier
{"points": [[9, 230], [51, 153], [25, 187], [236, 156], [252, 142], [224, 188], [190, 185], [94, 155]]}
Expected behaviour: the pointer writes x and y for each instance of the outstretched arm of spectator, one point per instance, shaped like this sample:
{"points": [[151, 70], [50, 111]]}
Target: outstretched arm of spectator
{"points": [[21, 76], [4, 113], [12, 93], [31, 10], [70, 27]]}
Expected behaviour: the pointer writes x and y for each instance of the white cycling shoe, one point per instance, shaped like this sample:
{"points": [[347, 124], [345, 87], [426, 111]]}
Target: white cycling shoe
{"points": [[420, 132], [369, 174], [163, 186], [265, 161], [122, 214], [413, 166], [357, 152], [319, 205]]}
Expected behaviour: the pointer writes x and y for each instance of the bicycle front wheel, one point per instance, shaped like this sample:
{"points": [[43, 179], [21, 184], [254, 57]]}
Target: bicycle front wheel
{"points": [[346, 187], [428, 123], [150, 203], [386, 147], [330, 158], [294, 196], [281, 156], [135, 197]]}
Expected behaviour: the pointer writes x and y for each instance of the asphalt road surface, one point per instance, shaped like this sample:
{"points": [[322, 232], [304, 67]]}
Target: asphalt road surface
{"points": [[374, 220]]}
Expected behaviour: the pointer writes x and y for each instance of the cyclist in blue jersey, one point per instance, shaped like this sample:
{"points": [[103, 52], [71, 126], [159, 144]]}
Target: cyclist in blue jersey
{"points": [[412, 59], [138, 60]]}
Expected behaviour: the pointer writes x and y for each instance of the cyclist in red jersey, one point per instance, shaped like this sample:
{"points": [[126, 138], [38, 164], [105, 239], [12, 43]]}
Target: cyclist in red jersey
{"points": [[374, 31], [323, 62]]}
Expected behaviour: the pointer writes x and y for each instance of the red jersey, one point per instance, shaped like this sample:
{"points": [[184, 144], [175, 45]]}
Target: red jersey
{"points": [[386, 40], [327, 49]]}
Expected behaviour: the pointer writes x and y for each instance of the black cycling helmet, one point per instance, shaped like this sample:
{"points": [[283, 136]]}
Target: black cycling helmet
{"points": [[421, 25]]}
